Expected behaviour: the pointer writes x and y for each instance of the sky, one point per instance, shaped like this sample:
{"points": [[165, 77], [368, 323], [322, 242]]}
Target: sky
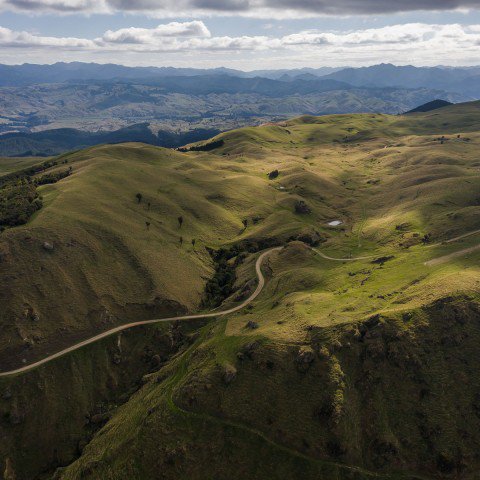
{"points": [[243, 34]]}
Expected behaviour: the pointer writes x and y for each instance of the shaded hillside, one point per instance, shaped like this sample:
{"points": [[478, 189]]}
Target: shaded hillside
{"points": [[365, 367], [52, 142], [428, 107]]}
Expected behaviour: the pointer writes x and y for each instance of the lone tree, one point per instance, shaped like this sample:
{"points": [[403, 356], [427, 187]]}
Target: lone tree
{"points": [[139, 197], [181, 240], [149, 205], [193, 243], [148, 225], [180, 221]]}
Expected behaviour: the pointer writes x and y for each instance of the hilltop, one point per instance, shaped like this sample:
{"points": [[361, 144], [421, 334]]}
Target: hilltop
{"points": [[51, 109], [428, 107], [360, 368]]}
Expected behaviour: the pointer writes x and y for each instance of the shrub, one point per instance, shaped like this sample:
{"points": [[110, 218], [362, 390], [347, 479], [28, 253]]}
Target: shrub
{"points": [[302, 208], [19, 200], [203, 148], [53, 177]]}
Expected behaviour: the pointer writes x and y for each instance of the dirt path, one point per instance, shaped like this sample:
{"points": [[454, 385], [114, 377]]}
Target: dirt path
{"points": [[261, 284], [351, 259], [435, 261], [100, 336], [446, 258], [460, 237]]}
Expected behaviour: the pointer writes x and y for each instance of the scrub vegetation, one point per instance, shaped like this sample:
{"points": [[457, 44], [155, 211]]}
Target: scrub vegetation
{"points": [[363, 368]]}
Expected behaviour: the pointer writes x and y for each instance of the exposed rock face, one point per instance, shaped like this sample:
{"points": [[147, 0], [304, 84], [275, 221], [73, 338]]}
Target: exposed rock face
{"points": [[229, 374], [252, 325], [100, 418], [248, 351], [7, 394], [9, 473], [48, 246], [305, 358]]}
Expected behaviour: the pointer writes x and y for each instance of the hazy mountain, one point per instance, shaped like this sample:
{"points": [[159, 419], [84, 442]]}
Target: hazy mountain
{"points": [[30, 74], [181, 104], [207, 84], [95, 99], [460, 80]]}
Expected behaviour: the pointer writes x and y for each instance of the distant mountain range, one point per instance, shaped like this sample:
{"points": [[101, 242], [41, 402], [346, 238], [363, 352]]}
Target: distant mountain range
{"points": [[47, 109], [31, 74], [464, 80]]}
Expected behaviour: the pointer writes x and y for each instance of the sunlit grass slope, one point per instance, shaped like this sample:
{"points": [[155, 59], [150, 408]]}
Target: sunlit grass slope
{"points": [[339, 370]]}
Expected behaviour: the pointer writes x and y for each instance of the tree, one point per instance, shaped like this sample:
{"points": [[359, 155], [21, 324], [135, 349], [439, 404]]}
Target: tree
{"points": [[193, 243], [180, 221], [139, 197], [149, 205], [148, 225], [181, 240]]}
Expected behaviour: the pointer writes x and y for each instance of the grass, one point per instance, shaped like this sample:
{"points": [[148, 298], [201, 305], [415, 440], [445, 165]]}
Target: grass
{"points": [[12, 164], [392, 183]]}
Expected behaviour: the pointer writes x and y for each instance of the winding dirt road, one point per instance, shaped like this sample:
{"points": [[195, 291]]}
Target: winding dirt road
{"points": [[261, 284], [350, 259], [100, 336]]}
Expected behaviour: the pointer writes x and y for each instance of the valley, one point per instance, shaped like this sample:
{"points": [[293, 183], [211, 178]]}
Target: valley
{"points": [[326, 351], [172, 109]]}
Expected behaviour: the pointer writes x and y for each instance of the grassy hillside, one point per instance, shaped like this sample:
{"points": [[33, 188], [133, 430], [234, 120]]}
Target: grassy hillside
{"points": [[12, 164], [340, 369]]}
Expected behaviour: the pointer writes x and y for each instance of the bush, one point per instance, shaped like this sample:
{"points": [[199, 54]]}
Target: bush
{"points": [[204, 148], [53, 177], [19, 200], [302, 208], [221, 285]]}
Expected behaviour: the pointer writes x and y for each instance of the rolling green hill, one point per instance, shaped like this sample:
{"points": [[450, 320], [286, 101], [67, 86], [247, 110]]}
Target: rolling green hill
{"points": [[361, 368]]}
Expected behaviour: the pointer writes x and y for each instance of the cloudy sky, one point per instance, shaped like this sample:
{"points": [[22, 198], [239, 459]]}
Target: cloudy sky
{"points": [[245, 34]]}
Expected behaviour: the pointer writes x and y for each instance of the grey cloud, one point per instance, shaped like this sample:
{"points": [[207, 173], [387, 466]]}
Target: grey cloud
{"points": [[226, 6], [250, 7], [180, 5], [61, 6], [345, 7]]}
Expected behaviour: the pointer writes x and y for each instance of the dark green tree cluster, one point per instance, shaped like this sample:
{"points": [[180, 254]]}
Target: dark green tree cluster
{"points": [[207, 147], [220, 286], [19, 200], [53, 177], [29, 172]]}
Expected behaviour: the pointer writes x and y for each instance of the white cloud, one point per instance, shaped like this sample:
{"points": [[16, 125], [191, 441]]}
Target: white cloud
{"points": [[149, 36], [409, 43], [10, 38]]}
